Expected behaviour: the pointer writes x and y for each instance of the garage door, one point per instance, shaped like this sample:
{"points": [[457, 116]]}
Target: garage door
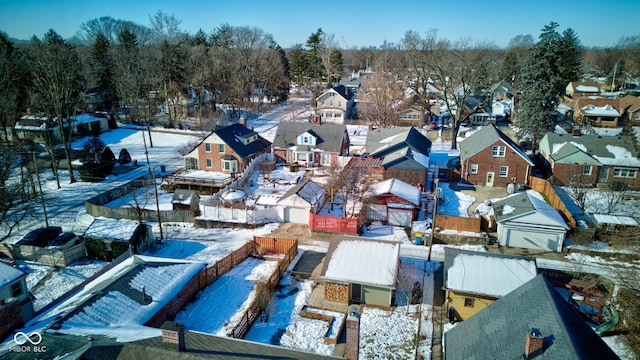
{"points": [[297, 215], [399, 217], [531, 239], [376, 212]]}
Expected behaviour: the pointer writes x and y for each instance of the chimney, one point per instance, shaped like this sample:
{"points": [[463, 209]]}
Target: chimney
{"points": [[353, 334], [576, 131], [317, 119], [173, 335], [243, 121], [534, 344]]}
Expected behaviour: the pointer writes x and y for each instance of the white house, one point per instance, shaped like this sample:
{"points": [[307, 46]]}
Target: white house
{"points": [[525, 220], [14, 296]]}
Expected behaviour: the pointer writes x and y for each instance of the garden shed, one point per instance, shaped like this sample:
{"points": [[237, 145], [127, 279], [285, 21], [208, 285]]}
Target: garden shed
{"points": [[184, 199], [395, 202], [108, 238], [361, 272]]}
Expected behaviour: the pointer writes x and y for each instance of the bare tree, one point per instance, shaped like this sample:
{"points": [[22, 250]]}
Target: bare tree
{"points": [[18, 193], [459, 69], [57, 86], [351, 186], [579, 187], [614, 196], [408, 285], [382, 100]]}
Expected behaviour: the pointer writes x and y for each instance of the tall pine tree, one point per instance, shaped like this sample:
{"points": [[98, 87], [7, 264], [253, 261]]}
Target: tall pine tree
{"points": [[101, 71], [548, 66]]}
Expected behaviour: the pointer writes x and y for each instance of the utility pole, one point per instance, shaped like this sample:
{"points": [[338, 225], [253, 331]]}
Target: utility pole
{"points": [[155, 188]]}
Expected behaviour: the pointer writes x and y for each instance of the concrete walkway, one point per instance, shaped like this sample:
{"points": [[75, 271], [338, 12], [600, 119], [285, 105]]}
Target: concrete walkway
{"points": [[439, 316]]}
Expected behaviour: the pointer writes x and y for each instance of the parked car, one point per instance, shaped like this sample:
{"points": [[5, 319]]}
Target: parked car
{"points": [[64, 241], [40, 237]]}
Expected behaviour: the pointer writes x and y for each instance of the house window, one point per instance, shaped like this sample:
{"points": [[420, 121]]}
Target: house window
{"points": [[498, 151], [301, 156], [586, 170], [207, 147], [305, 140], [221, 148], [209, 164], [474, 168], [504, 171], [230, 165], [624, 173], [16, 289], [339, 103], [468, 302]]}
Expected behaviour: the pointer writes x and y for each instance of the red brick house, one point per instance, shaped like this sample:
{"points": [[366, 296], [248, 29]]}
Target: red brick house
{"points": [[227, 150], [591, 159], [489, 157]]}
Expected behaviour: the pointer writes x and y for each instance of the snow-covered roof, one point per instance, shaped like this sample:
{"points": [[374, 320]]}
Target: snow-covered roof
{"points": [[120, 230], [606, 110], [304, 194], [530, 201], [87, 118], [614, 219], [587, 88], [486, 273], [398, 188], [9, 274], [364, 262]]}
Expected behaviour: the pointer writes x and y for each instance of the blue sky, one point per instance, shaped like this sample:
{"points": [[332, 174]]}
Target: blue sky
{"points": [[353, 23]]}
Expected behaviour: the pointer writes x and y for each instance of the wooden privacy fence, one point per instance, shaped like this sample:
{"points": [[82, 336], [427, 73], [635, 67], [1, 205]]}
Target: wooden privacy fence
{"points": [[279, 246], [543, 186], [458, 223], [212, 272], [334, 224], [58, 258]]}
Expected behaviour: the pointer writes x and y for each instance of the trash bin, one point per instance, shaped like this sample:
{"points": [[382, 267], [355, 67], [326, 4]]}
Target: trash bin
{"points": [[163, 168], [418, 239]]}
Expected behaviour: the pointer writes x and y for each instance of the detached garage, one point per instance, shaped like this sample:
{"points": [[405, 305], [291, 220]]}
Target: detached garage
{"points": [[395, 202], [526, 220], [304, 198]]}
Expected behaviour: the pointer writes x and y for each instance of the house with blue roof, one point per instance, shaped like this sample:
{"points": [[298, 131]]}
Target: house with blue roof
{"points": [[404, 152]]}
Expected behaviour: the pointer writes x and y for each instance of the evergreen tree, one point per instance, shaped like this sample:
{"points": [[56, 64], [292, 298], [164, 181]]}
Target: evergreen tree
{"points": [[101, 70], [97, 160], [336, 66], [571, 56], [314, 43], [542, 86], [299, 65]]}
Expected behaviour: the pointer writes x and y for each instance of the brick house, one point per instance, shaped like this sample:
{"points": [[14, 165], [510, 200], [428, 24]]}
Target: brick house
{"points": [[227, 150], [336, 105], [591, 159], [308, 143], [490, 158], [404, 153], [596, 111], [629, 106]]}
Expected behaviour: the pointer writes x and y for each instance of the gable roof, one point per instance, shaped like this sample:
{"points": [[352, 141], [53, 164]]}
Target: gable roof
{"points": [[308, 191], [527, 202], [329, 135], [9, 274], [382, 141], [502, 87], [630, 103], [486, 137], [228, 135], [481, 102], [111, 229], [341, 90], [606, 150], [505, 323], [363, 262], [398, 188], [584, 86], [183, 196], [484, 273]]}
